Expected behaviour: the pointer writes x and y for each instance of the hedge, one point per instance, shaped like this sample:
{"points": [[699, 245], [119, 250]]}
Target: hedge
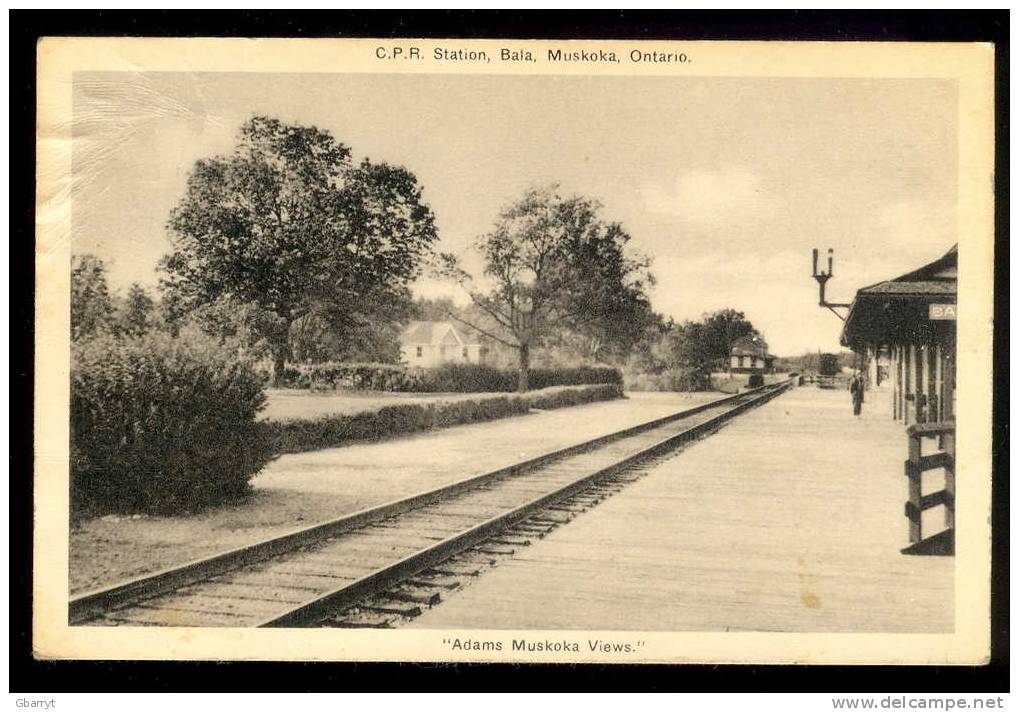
{"points": [[301, 435], [359, 376], [161, 424], [447, 378], [577, 376], [469, 378], [673, 379]]}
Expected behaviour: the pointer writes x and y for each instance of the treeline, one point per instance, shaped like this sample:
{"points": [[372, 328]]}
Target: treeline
{"points": [[96, 310], [681, 356], [658, 353]]}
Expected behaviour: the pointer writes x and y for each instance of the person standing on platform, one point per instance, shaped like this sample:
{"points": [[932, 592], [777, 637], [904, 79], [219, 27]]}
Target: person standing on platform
{"points": [[856, 391]]}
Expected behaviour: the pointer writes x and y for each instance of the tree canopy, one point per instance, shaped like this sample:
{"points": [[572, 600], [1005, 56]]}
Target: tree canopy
{"points": [[552, 265], [289, 225]]}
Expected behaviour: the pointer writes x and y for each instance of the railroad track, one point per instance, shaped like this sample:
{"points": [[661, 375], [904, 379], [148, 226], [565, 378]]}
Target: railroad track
{"points": [[380, 566]]}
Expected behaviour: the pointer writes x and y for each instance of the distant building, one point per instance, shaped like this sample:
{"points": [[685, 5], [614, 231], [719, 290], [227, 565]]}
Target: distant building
{"points": [[749, 354], [430, 343], [906, 326]]}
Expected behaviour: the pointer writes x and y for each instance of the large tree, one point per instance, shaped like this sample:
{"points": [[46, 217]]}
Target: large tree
{"points": [[290, 225], [616, 327], [317, 338], [552, 264]]}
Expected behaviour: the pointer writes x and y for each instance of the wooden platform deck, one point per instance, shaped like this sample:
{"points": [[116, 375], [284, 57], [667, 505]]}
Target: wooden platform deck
{"points": [[789, 519]]}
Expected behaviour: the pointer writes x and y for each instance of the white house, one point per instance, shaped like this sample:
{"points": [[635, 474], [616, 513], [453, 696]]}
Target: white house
{"points": [[430, 343]]}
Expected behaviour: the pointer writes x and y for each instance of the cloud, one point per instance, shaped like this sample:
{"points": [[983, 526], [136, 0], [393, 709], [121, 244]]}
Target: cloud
{"points": [[711, 198]]}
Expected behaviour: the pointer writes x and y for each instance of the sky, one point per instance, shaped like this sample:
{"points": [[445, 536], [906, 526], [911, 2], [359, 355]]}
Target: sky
{"points": [[727, 183]]}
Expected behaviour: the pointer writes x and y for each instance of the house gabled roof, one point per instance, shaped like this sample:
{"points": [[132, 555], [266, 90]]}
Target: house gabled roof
{"points": [[433, 332], [749, 346]]}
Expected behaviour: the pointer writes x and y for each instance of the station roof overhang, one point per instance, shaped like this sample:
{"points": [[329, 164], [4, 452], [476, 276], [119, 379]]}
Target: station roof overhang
{"points": [[897, 311]]}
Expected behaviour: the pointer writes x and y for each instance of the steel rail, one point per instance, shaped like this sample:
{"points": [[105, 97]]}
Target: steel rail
{"points": [[347, 595], [92, 604]]}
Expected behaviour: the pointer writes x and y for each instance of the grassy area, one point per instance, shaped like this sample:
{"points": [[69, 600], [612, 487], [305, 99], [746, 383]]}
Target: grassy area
{"points": [[285, 404], [403, 418]]}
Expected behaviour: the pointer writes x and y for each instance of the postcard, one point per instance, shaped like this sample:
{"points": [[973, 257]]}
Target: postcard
{"points": [[513, 351]]}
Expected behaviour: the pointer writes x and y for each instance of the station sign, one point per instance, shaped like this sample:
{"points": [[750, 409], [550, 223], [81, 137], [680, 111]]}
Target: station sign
{"points": [[941, 312]]}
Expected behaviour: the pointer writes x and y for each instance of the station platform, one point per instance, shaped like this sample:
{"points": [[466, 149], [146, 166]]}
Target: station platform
{"points": [[790, 518]]}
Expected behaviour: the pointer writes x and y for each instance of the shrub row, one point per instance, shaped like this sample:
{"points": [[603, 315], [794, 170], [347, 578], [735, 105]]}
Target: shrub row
{"points": [[301, 435], [359, 376], [674, 379], [161, 425], [576, 376], [475, 378], [447, 378]]}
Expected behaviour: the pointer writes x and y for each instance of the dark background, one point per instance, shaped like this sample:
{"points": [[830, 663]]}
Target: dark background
{"points": [[30, 675]]}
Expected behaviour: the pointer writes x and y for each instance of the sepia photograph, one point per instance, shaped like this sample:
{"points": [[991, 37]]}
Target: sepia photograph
{"points": [[513, 351]]}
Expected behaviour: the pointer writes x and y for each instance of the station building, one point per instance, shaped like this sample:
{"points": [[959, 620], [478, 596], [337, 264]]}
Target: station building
{"points": [[911, 319], [905, 327]]}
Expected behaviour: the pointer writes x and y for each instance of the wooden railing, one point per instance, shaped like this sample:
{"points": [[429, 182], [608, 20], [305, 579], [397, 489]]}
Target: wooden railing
{"points": [[916, 465]]}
